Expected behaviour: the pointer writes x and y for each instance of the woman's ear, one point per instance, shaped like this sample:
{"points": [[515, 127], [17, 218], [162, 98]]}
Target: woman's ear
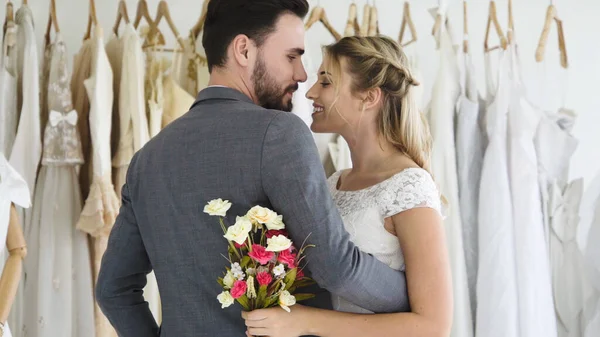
{"points": [[372, 98]]}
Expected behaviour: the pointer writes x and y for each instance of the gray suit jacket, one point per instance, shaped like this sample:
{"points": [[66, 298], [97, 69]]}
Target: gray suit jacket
{"points": [[226, 147]]}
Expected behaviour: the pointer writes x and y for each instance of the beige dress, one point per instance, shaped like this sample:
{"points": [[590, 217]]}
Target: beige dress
{"points": [[101, 205], [190, 70], [8, 90]]}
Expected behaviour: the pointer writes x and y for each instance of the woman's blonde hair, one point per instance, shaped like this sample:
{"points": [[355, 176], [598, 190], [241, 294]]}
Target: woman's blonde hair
{"points": [[379, 62]]}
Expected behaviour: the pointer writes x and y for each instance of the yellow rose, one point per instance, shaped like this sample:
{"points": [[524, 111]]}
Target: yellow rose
{"points": [[276, 223], [278, 243], [261, 215], [217, 207], [225, 299], [228, 280], [239, 231], [286, 300]]}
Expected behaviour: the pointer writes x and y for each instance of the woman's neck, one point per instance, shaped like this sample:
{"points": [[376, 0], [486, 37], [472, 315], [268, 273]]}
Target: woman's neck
{"points": [[369, 152]]}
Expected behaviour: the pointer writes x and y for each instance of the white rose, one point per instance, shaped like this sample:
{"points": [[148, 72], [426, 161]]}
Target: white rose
{"points": [[286, 300], [217, 207], [276, 223], [239, 231], [261, 215], [278, 243], [228, 280], [225, 299]]}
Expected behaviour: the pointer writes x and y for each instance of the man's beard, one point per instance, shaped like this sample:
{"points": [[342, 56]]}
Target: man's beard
{"points": [[269, 95]]}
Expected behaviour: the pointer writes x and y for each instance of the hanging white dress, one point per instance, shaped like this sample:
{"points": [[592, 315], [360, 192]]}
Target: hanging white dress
{"points": [[497, 295], [59, 297], [131, 108], [555, 146], [536, 312], [446, 89], [101, 205], [590, 235], [469, 157], [27, 147], [13, 189], [8, 90]]}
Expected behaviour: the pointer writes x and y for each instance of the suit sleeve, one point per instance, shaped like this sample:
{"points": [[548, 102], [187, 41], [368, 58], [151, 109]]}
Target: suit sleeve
{"points": [[295, 183], [122, 277]]}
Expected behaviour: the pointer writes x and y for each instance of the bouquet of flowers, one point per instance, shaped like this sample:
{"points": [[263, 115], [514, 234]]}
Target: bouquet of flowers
{"points": [[264, 264]]}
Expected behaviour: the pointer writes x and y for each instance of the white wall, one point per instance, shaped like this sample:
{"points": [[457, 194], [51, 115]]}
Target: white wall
{"points": [[583, 46]]}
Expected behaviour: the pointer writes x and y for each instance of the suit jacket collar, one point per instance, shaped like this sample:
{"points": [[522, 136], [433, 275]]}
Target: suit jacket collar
{"points": [[221, 93]]}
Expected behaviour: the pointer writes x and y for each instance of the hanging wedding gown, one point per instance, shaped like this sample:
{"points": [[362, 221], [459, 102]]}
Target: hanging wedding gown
{"points": [[101, 205], [27, 147], [536, 312], [13, 189], [59, 290], [441, 119], [469, 156], [497, 295], [8, 90]]}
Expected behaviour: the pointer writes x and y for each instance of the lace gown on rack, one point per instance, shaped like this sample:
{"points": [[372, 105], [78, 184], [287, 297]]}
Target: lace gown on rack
{"points": [[59, 290], [364, 211], [13, 189]]}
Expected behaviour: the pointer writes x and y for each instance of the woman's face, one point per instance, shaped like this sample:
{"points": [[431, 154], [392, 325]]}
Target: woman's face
{"points": [[336, 109]]}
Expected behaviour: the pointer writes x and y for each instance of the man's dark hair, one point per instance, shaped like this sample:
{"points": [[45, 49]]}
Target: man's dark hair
{"points": [[225, 19]]}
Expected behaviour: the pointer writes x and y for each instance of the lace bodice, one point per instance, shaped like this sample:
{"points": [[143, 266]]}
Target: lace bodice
{"points": [[62, 144], [364, 212]]}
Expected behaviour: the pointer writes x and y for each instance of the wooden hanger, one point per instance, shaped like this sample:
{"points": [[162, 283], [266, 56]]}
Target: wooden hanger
{"points": [[318, 14], [92, 19], [52, 21], [364, 28], [10, 16], [373, 21], [24, 2], [511, 23], [199, 26], [407, 21], [162, 12], [352, 26], [493, 18], [541, 48], [465, 29], [121, 15]]}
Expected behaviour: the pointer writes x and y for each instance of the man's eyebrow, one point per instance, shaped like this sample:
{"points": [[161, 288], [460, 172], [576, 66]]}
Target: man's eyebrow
{"points": [[298, 51]]}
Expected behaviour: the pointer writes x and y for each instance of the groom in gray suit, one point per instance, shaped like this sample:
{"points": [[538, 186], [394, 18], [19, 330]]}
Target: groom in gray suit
{"points": [[238, 142]]}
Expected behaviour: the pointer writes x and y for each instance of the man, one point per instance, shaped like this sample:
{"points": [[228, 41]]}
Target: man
{"points": [[234, 144]]}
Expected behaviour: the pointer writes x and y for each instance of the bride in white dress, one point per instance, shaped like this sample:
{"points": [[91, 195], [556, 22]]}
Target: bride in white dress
{"points": [[388, 199]]}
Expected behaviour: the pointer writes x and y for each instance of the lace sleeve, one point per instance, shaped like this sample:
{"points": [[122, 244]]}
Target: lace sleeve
{"points": [[411, 188]]}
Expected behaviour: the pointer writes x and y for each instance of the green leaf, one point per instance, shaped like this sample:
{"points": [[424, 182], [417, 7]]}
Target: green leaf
{"points": [[244, 302], [245, 261], [220, 280], [305, 282], [271, 301], [261, 296], [303, 297], [289, 279]]}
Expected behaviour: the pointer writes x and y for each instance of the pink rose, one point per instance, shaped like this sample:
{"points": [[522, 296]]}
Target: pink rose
{"points": [[260, 254], [287, 257], [273, 233], [299, 274], [239, 289], [264, 278]]}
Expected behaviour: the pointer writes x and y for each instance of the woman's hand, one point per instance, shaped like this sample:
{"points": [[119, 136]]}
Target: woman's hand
{"points": [[276, 322]]}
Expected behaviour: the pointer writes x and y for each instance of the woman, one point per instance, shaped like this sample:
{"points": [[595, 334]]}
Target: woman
{"points": [[388, 199]]}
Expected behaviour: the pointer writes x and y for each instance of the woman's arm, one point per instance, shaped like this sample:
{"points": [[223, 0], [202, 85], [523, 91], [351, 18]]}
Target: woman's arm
{"points": [[423, 242]]}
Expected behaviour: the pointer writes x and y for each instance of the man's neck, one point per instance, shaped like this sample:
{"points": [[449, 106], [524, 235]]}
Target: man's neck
{"points": [[223, 77]]}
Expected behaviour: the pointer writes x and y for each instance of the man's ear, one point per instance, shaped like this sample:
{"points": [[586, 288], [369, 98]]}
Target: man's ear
{"points": [[242, 49]]}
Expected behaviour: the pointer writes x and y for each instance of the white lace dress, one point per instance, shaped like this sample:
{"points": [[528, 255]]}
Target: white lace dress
{"points": [[364, 212]]}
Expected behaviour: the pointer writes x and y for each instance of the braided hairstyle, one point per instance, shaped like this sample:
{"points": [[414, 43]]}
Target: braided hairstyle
{"points": [[379, 62]]}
